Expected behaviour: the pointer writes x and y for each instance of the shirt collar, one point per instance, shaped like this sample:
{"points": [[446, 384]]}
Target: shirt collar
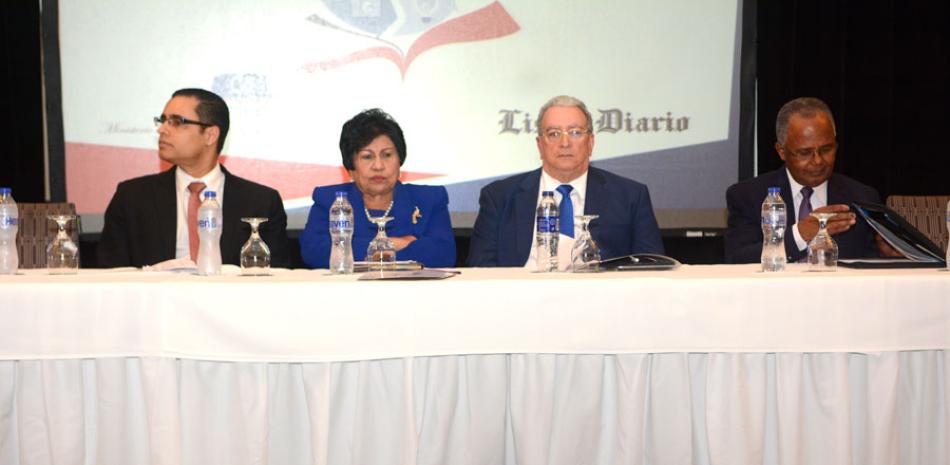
{"points": [[818, 192], [212, 178], [579, 184]]}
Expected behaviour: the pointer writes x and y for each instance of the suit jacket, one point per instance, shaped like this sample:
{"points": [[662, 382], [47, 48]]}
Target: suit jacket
{"points": [[141, 221], [507, 209], [429, 205], [743, 239]]}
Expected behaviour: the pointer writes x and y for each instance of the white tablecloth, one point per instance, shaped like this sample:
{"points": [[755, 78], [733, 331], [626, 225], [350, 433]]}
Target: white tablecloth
{"points": [[717, 365], [309, 316]]}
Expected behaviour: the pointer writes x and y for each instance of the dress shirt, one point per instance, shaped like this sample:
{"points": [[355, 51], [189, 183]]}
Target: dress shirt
{"points": [[819, 198], [214, 181], [564, 243]]}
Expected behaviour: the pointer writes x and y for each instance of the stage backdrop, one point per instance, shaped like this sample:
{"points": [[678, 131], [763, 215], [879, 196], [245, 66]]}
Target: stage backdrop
{"points": [[464, 78]]}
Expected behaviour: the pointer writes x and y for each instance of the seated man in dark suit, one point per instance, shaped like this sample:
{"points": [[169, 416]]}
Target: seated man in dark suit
{"points": [[504, 233], [153, 218], [805, 130]]}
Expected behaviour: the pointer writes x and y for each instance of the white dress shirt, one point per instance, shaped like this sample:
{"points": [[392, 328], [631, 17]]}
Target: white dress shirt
{"points": [[819, 198], [564, 243], [214, 181]]}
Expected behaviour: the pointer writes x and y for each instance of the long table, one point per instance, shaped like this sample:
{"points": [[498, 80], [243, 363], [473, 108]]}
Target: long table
{"points": [[704, 364]]}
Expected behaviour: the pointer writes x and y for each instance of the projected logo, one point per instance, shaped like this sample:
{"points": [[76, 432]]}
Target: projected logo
{"points": [[404, 29]]}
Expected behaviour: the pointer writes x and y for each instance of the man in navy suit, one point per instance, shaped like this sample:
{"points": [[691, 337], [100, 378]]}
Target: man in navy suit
{"points": [[151, 219], [504, 228], [806, 142]]}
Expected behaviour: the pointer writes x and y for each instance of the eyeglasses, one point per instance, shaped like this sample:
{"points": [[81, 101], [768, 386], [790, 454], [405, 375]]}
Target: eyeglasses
{"points": [[176, 121], [554, 134], [805, 154]]}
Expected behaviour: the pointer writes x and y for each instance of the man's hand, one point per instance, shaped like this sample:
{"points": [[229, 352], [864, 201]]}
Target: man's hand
{"points": [[841, 222], [885, 248]]}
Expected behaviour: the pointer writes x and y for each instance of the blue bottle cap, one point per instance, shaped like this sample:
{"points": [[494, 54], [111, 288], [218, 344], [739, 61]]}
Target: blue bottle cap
{"points": [[5, 191], [774, 190], [211, 195], [341, 194], [547, 194]]}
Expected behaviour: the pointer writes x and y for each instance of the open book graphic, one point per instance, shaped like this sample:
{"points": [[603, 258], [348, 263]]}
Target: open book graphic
{"points": [[402, 34]]}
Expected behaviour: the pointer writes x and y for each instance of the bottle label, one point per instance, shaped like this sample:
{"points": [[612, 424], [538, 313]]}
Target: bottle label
{"points": [[341, 224], [547, 224], [771, 217], [208, 223], [8, 221]]}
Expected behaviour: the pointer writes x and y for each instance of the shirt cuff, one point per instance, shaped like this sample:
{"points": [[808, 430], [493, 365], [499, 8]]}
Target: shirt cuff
{"points": [[799, 242]]}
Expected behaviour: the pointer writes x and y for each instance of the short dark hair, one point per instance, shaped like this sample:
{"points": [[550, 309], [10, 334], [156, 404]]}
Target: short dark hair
{"points": [[211, 110], [367, 125], [808, 107]]}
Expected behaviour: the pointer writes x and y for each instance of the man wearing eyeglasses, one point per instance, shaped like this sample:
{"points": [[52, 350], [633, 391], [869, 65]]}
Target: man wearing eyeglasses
{"points": [[806, 142], [153, 218], [504, 229]]}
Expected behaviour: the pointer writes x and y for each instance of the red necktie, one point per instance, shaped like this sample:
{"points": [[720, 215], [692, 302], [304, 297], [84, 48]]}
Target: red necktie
{"points": [[193, 203]]}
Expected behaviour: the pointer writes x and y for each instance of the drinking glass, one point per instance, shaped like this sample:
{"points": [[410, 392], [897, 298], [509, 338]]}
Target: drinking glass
{"points": [[822, 250], [381, 253], [255, 255], [62, 254], [585, 255]]}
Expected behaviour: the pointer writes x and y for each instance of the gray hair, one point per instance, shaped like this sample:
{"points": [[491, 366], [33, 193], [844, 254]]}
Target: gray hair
{"points": [[807, 107], [565, 101]]}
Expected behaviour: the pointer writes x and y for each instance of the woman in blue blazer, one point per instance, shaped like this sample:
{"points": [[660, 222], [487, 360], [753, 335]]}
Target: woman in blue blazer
{"points": [[373, 150]]}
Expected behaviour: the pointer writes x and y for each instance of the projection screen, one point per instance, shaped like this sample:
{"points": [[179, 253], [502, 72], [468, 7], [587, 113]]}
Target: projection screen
{"points": [[464, 78]]}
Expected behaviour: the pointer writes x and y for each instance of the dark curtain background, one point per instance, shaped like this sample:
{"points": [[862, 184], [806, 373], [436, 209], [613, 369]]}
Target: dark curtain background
{"points": [[21, 105], [882, 66]]}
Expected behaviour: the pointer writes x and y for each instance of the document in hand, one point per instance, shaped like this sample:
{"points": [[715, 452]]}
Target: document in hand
{"points": [[901, 235]]}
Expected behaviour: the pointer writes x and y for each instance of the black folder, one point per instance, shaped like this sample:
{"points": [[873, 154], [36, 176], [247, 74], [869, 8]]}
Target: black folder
{"points": [[918, 250], [641, 261]]}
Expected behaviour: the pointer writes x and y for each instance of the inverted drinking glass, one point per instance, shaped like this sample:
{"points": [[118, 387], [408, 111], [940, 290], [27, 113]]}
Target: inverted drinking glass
{"points": [[822, 250], [381, 253], [255, 255], [585, 255], [62, 254]]}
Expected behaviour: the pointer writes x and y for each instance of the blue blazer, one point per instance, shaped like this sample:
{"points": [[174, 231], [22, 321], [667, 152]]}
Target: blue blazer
{"points": [[743, 239], [507, 208], [435, 242]]}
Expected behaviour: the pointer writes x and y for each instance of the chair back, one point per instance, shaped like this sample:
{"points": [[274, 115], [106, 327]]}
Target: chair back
{"points": [[35, 231], [928, 213]]}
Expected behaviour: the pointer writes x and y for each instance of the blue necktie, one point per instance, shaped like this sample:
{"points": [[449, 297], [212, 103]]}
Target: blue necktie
{"points": [[566, 209]]}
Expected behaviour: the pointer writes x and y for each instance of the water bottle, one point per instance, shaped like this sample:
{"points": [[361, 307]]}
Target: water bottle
{"points": [[9, 218], [209, 235], [547, 231], [341, 235], [773, 231]]}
